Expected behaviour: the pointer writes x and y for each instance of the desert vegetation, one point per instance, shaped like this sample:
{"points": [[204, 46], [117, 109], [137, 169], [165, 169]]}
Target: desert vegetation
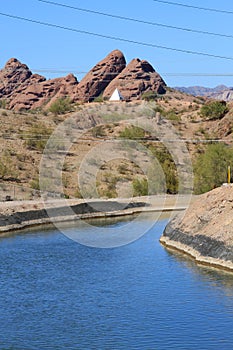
{"points": [[210, 167], [24, 136], [214, 110]]}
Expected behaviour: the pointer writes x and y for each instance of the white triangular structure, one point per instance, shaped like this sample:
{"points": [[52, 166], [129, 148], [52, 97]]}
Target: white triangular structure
{"points": [[116, 96]]}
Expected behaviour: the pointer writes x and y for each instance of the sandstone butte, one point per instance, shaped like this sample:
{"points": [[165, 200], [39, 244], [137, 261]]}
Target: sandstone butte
{"points": [[25, 90], [205, 232], [137, 78]]}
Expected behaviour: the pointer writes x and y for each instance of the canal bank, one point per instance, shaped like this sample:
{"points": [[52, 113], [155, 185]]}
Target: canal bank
{"points": [[205, 232], [17, 215]]}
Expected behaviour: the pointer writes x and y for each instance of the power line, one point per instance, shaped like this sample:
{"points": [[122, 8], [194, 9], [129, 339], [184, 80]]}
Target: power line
{"points": [[195, 7], [52, 25], [109, 139], [136, 20], [79, 72]]}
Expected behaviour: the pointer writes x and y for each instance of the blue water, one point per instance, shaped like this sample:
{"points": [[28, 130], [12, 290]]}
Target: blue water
{"points": [[57, 294]]}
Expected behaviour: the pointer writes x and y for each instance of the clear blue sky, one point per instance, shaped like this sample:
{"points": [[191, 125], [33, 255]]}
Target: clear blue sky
{"points": [[51, 49]]}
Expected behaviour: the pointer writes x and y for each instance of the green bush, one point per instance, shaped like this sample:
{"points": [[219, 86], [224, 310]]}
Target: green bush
{"points": [[210, 168], [35, 184], [140, 187], [61, 106], [172, 115], [132, 132], [214, 110], [150, 96], [166, 161], [99, 98]]}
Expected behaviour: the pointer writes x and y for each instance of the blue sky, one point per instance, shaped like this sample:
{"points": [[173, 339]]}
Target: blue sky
{"points": [[49, 49]]}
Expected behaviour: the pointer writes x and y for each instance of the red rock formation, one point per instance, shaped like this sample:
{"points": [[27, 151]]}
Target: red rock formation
{"points": [[138, 77], [94, 83], [43, 93], [24, 90], [14, 75]]}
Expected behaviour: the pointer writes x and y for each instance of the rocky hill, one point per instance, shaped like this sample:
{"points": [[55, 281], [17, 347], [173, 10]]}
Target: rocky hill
{"points": [[23, 90], [220, 92]]}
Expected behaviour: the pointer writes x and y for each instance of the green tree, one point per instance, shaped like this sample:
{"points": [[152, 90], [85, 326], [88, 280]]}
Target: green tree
{"points": [[210, 168], [214, 110], [166, 161]]}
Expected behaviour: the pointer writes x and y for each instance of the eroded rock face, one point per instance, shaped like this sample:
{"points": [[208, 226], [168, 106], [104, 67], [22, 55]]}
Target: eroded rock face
{"points": [[38, 94], [137, 78], [24, 90], [94, 83], [16, 75]]}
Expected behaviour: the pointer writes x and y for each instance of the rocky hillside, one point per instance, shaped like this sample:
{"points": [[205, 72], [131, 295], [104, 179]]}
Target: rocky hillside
{"points": [[28, 119], [23, 137], [22, 90]]}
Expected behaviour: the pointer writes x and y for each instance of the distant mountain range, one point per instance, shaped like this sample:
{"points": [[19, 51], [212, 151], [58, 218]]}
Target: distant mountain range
{"points": [[220, 92]]}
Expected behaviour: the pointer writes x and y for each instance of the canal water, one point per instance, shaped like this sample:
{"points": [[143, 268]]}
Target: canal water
{"points": [[58, 294]]}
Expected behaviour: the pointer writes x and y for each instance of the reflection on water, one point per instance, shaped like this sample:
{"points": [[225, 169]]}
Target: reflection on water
{"points": [[214, 276]]}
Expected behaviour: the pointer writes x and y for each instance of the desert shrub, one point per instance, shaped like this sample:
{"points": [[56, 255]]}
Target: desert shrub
{"points": [[160, 110], [114, 117], [210, 168], [98, 98], [37, 136], [132, 132], [98, 131], [61, 106], [3, 103], [35, 184], [140, 187], [173, 116], [150, 96], [7, 166], [214, 110]]}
